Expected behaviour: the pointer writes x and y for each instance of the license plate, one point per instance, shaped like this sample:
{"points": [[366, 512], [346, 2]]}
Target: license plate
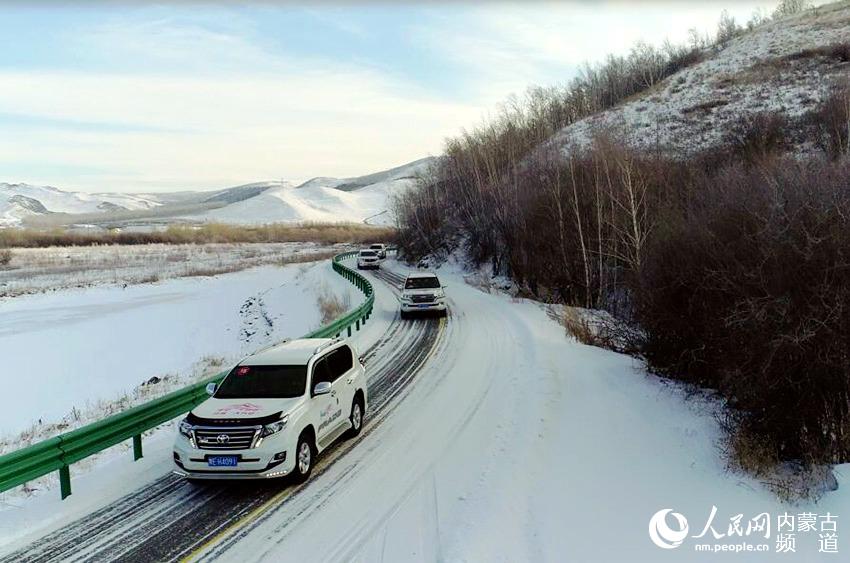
{"points": [[221, 461], [424, 306]]}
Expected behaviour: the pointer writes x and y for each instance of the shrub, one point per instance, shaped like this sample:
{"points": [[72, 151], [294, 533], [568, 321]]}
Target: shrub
{"points": [[746, 290], [5, 257], [831, 122], [758, 136]]}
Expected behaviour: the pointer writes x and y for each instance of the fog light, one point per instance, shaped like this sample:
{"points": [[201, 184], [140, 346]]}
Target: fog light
{"points": [[279, 456]]}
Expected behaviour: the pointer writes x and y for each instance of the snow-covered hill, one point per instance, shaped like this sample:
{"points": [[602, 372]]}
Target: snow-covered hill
{"points": [[324, 199], [320, 199], [787, 66], [20, 201]]}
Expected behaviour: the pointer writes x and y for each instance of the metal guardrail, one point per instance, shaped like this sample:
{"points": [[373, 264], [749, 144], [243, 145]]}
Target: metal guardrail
{"points": [[58, 453]]}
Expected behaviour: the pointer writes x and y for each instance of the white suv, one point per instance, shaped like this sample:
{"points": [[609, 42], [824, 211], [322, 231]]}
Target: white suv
{"points": [[368, 258], [422, 292], [381, 249], [274, 413]]}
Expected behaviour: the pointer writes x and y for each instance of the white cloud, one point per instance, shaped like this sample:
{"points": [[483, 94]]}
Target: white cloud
{"points": [[204, 103], [238, 114], [509, 46]]}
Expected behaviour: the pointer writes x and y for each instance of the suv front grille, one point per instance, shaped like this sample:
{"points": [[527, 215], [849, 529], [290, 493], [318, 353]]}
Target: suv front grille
{"points": [[429, 298], [226, 438]]}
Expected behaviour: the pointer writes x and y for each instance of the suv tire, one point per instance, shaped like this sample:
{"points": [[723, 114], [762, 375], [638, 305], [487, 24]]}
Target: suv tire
{"points": [[356, 418], [305, 455]]}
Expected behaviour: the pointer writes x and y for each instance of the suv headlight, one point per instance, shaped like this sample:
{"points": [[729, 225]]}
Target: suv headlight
{"points": [[185, 428], [406, 298], [274, 427]]}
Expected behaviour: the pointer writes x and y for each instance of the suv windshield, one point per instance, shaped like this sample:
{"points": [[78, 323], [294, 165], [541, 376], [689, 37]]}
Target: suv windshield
{"points": [[367, 253], [377, 246], [431, 282], [263, 382]]}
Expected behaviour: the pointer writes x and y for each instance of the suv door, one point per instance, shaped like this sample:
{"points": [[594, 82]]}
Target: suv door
{"points": [[342, 367], [324, 406]]}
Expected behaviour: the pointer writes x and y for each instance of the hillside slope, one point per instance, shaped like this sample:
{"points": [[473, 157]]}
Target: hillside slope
{"points": [[786, 66], [321, 199], [22, 201], [325, 199]]}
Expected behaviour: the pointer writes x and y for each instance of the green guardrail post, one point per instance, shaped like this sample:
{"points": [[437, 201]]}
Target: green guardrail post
{"points": [[357, 322], [65, 481], [349, 331], [137, 447]]}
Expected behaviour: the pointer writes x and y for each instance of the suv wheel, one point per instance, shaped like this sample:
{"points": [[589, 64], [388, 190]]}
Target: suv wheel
{"points": [[356, 418], [304, 454]]}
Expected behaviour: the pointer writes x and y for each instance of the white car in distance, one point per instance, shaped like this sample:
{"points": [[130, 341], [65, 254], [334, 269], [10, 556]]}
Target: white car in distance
{"points": [[274, 413], [381, 249], [422, 293], [368, 258]]}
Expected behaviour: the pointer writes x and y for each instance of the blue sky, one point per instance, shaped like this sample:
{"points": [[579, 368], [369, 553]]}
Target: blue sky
{"points": [[143, 97]]}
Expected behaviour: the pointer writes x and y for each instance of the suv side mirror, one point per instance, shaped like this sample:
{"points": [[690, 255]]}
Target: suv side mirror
{"points": [[362, 360], [322, 388], [211, 387]]}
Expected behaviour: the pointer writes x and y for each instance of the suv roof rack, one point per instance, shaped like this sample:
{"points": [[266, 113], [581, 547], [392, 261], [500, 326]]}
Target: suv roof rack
{"points": [[270, 346], [324, 345]]}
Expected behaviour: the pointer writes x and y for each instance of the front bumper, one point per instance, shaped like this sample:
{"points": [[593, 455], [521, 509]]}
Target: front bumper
{"points": [[439, 305], [256, 463]]}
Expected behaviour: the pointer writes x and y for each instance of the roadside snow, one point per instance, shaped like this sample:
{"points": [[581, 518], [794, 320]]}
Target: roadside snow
{"points": [[37, 270], [71, 349]]}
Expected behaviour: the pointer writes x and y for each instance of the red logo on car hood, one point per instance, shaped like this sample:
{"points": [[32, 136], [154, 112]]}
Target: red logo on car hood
{"points": [[240, 409]]}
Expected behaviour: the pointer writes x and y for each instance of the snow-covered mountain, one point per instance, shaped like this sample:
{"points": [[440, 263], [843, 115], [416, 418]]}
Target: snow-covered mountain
{"points": [[21, 201], [320, 199], [325, 199]]}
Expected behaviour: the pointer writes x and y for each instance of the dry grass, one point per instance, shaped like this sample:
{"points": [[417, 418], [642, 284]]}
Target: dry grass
{"points": [[323, 233], [577, 326], [754, 454], [332, 306], [302, 257]]}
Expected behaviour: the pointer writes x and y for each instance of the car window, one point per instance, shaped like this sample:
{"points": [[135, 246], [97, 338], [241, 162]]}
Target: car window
{"points": [[341, 360], [367, 253], [263, 382], [321, 372], [430, 282]]}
